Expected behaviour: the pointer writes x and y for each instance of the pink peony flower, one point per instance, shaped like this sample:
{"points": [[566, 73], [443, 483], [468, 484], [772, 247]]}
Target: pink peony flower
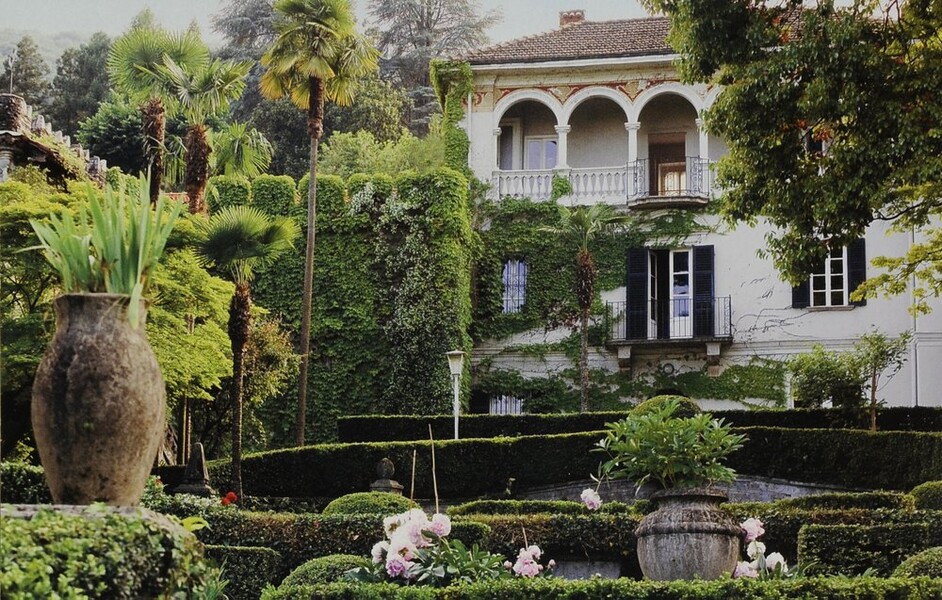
{"points": [[441, 525], [551, 564], [535, 552], [397, 566], [744, 569], [379, 551], [754, 549], [508, 564], [591, 499], [752, 528], [527, 567]]}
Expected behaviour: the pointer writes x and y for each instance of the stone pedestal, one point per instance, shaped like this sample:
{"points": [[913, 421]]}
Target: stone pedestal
{"points": [[385, 469], [195, 477]]}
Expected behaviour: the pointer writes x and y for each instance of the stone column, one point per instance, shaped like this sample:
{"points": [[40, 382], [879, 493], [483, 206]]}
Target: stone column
{"points": [[704, 140], [6, 159], [632, 128], [562, 147], [496, 164]]}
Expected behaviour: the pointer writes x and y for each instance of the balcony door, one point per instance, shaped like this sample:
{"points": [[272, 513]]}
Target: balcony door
{"points": [[668, 167], [681, 294], [541, 152]]}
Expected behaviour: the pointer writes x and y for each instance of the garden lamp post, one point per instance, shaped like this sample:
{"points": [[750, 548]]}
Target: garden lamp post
{"points": [[456, 366]]}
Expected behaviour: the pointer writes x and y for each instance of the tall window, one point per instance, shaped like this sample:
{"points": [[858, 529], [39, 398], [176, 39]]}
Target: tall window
{"points": [[515, 285], [829, 283], [506, 405], [541, 152]]}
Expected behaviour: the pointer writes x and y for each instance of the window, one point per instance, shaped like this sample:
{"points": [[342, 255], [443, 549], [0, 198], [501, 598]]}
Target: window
{"points": [[506, 405], [835, 280], [515, 285], [829, 283], [541, 152], [671, 178]]}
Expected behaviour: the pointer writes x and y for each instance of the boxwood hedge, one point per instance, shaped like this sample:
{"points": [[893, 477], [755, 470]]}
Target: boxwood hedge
{"points": [[853, 549], [247, 569], [377, 428], [477, 467], [862, 588]]}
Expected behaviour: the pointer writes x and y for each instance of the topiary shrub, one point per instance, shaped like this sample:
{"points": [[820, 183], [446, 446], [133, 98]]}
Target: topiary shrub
{"points": [[685, 406], [325, 569], [100, 553], [227, 190], [369, 503], [927, 563], [928, 495]]}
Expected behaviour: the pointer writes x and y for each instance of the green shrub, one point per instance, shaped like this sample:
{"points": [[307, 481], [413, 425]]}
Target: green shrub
{"points": [[301, 537], [869, 588], [379, 428], [369, 503], [324, 569], [685, 406], [820, 376], [928, 495], [21, 483], [843, 501], [100, 554], [853, 549], [275, 194], [282, 504], [476, 467], [223, 191], [532, 507], [927, 563], [247, 569]]}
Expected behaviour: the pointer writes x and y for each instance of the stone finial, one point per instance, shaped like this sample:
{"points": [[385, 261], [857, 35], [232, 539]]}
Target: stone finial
{"points": [[195, 477], [571, 17], [385, 469]]}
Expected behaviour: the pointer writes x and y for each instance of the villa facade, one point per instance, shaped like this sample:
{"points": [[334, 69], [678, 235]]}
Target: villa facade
{"points": [[600, 104]]}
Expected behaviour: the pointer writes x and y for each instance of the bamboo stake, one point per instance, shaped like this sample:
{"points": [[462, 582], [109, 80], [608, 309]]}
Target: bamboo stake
{"points": [[434, 478], [412, 487]]}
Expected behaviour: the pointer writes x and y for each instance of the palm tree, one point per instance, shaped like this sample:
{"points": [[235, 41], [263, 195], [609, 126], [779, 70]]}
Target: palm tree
{"points": [[583, 224], [239, 150], [200, 92], [132, 66], [237, 241], [317, 56]]}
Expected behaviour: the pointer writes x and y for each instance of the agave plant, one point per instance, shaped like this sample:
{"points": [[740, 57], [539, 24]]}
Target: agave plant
{"points": [[111, 245]]}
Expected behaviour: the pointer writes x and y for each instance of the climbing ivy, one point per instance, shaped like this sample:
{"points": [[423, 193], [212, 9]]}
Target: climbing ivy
{"points": [[453, 81]]}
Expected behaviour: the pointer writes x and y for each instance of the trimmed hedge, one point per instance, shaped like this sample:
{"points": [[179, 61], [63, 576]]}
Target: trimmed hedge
{"points": [[100, 554], [927, 563], [227, 190], [533, 507], [325, 569], [369, 503], [928, 495], [21, 483], [852, 549], [592, 537], [299, 538], [476, 467], [863, 588], [843, 501], [247, 569], [377, 428]]}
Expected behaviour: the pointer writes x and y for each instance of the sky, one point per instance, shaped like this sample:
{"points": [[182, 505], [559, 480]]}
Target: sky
{"points": [[520, 17]]}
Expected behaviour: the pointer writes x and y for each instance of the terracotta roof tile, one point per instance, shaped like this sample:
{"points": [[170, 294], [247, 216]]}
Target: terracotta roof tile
{"points": [[588, 39]]}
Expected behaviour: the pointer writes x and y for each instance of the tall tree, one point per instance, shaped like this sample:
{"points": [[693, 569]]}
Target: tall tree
{"points": [[27, 74], [317, 56], [240, 150], [201, 92], [583, 224], [836, 128], [81, 83], [413, 32], [237, 241], [132, 65]]}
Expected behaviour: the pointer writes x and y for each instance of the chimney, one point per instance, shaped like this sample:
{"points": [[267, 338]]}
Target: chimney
{"points": [[571, 17]]}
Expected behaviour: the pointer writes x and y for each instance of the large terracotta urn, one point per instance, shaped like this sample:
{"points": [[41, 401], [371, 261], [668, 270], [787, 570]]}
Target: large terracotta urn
{"points": [[688, 536], [98, 402]]}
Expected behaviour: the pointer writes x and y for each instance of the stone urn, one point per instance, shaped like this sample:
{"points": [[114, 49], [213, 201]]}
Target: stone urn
{"points": [[688, 536], [98, 402]]}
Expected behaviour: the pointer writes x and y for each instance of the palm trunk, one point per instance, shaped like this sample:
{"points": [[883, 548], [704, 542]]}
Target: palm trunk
{"points": [[154, 123], [315, 130], [239, 327], [584, 363], [197, 167]]}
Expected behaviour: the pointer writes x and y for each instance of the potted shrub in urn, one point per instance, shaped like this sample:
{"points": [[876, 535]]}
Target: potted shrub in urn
{"points": [[98, 398], [688, 536]]}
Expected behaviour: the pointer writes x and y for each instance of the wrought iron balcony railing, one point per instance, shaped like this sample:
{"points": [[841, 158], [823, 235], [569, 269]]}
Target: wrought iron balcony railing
{"points": [[666, 320]]}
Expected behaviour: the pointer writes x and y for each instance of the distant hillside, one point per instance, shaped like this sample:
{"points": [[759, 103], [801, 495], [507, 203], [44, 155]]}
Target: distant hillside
{"points": [[51, 45]]}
